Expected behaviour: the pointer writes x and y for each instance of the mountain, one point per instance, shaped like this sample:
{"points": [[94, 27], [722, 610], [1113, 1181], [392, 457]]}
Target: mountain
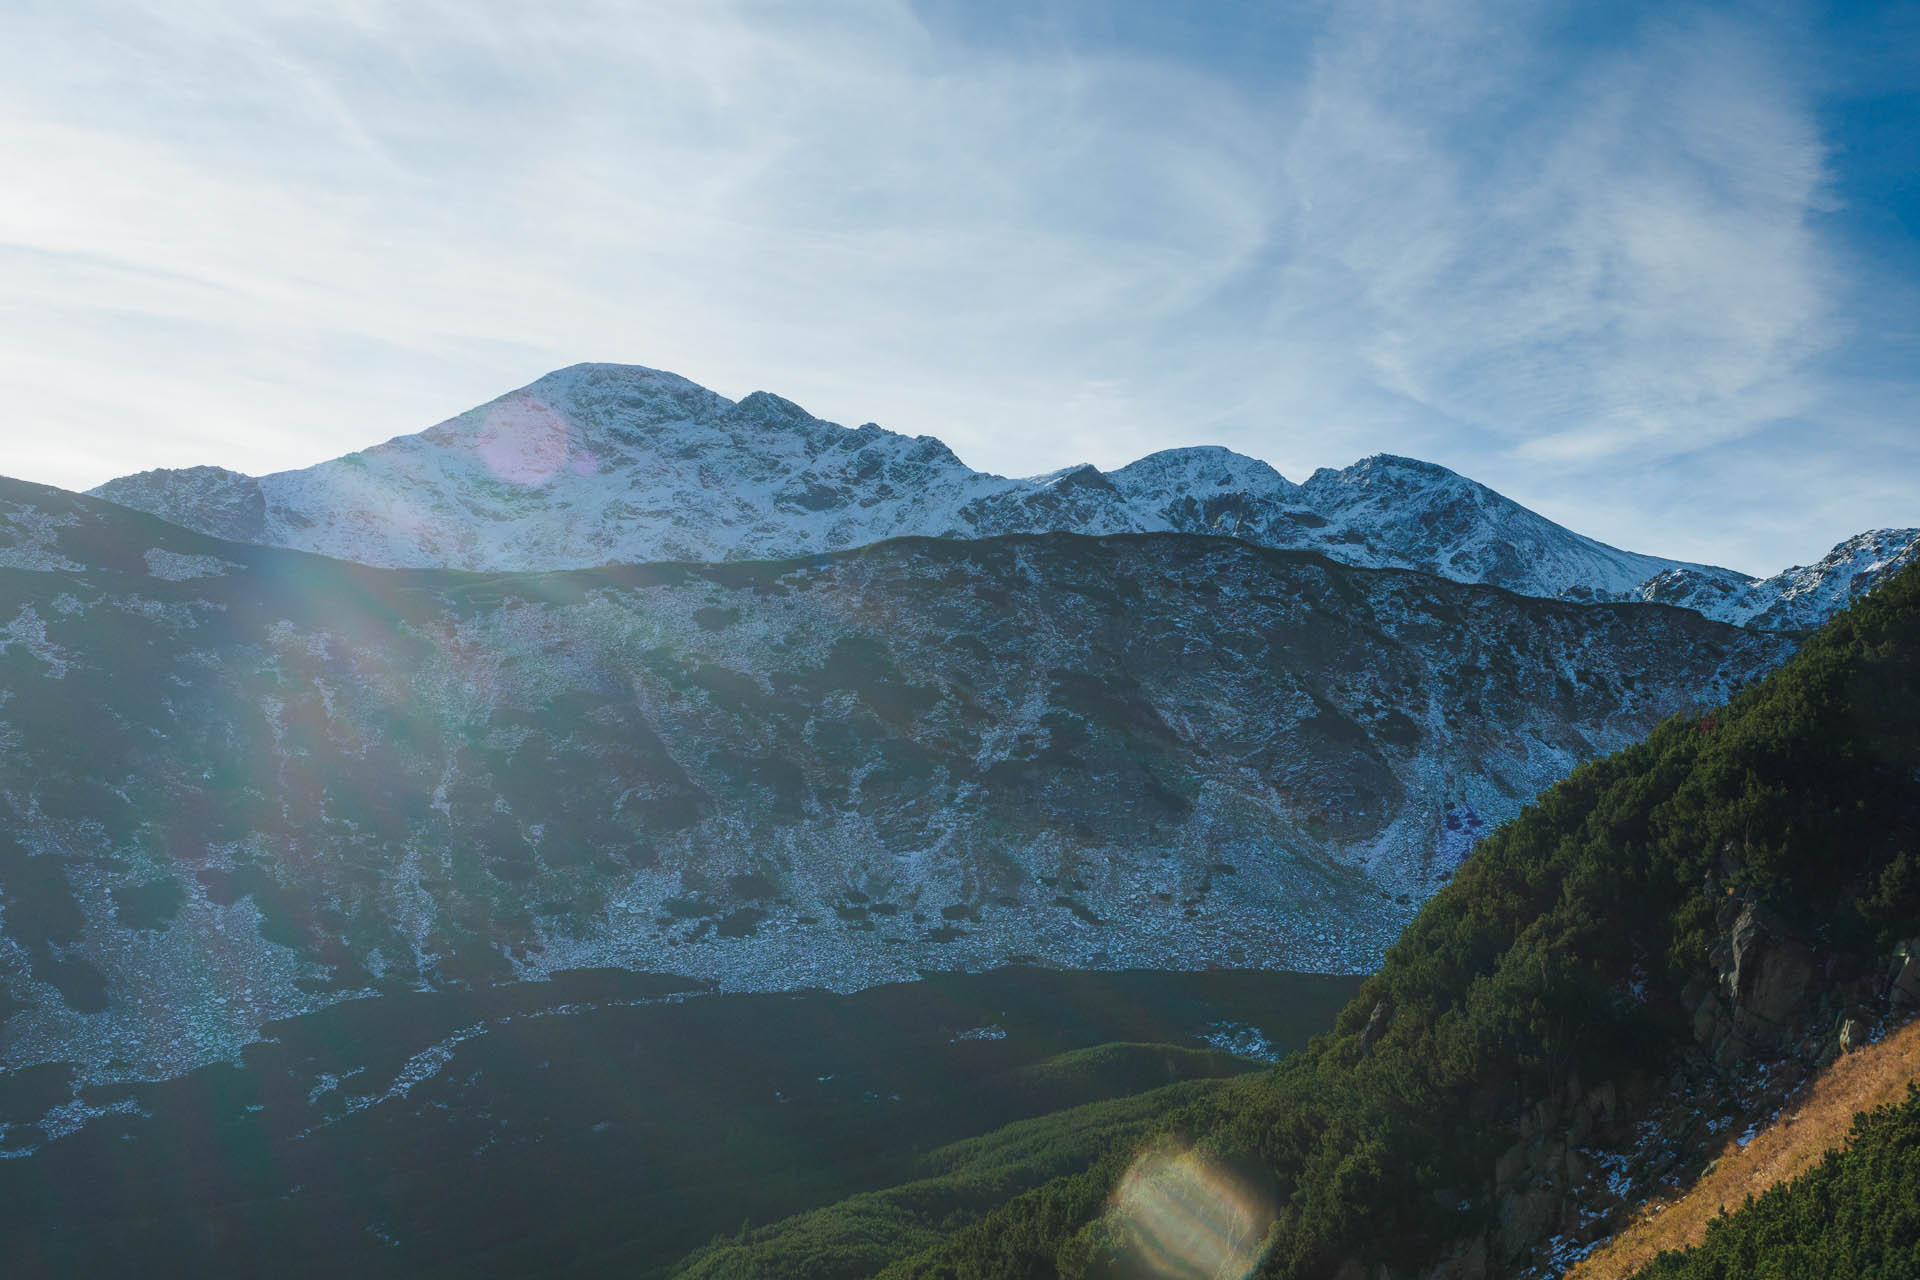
{"points": [[600, 464], [1799, 598], [1641, 966], [242, 782]]}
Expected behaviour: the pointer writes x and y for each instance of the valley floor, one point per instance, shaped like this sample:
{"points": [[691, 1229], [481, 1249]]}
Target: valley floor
{"points": [[601, 1122], [1814, 1122]]}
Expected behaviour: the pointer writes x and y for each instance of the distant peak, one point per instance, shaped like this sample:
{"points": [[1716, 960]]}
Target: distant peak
{"points": [[772, 410], [1881, 538], [600, 376], [1397, 463], [931, 450], [1388, 470], [1191, 452], [609, 370], [1213, 463], [1082, 476], [198, 475], [1871, 544]]}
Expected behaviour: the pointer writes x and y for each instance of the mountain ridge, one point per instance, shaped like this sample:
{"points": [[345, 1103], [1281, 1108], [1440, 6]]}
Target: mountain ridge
{"points": [[596, 464], [1148, 750]]}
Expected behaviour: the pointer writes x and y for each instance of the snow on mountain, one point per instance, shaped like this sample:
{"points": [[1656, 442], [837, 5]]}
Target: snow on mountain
{"points": [[591, 465], [1807, 595], [1419, 515], [1688, 588], [1794, 599], [600, 463], [242, 783]]}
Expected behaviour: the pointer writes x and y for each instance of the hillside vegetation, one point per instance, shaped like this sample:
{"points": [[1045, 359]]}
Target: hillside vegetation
{"points": [[1855, 1217], [862, 1234], [674, 1115], [1569, 949], [1812, 1124]]}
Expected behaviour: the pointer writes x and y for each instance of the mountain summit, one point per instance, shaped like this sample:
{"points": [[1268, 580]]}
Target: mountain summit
{"points": [[602, 463]]}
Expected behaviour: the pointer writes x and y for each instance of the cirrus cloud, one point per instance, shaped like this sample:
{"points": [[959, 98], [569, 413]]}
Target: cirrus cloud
{"points": [[265, 234]]}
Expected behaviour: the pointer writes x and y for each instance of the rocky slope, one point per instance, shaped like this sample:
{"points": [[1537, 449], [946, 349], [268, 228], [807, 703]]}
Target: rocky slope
{"points": [[1798, 598], [239, 782], [599, 464], [1772, 1009], [1639, 967]]}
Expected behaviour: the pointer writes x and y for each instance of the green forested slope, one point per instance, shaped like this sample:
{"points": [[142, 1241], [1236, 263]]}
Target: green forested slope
{"points": [[860, 1235], [1560, 950]]}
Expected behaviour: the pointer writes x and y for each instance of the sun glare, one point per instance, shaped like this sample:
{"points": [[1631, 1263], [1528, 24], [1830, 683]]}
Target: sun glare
{"points": [[524, 441], [1180, 1215]]}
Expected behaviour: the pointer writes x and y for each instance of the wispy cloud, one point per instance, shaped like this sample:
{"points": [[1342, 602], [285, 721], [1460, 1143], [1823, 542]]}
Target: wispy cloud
{"points": [[263, 234], [1578, 260], [693, 187]]}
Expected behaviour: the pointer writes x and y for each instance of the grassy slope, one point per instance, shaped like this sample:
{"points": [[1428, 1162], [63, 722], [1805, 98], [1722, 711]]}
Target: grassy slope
{"points": [[1815, 1123], [860, 1235], [1562, 945], [1854, 1217]]}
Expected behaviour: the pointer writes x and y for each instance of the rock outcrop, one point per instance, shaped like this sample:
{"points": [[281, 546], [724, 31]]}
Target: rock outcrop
{"points": [[1761, 974], [1768, 1010]]}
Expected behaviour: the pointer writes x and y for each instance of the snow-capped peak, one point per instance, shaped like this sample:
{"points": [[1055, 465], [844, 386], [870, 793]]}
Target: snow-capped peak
{"points": [[599, 463], [1198, 470], [1807, 595]]}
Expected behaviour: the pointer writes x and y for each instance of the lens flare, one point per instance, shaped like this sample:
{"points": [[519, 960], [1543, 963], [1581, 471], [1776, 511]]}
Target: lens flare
{"points": [[524, 441], [1180, 1215]]}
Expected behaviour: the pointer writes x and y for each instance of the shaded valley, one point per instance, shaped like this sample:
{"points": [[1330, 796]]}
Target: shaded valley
{"points": [[598, 1123]]}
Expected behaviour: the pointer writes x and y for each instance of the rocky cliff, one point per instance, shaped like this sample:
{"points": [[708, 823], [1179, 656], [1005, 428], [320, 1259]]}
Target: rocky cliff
{"points": [[240, 782]]}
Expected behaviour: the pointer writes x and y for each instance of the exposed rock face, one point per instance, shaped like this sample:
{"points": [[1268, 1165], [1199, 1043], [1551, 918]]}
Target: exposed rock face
{"points": [[1376, 1024], [1904, 987], [1767, 978], [1467, 1262], [210, 500], [1525, 1215], [1806, 596], [1854, 1033], [1769, 1010], [1755, 1002], [1798, 598], [240, 781]]}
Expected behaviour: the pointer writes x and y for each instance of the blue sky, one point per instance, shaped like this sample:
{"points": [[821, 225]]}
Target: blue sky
{"points": [[1653, 270]]}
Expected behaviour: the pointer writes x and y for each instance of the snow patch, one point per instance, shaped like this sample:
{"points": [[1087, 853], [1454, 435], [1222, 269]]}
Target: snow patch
{"points": [[173, 566], [1242, 1040], [35, 534]]}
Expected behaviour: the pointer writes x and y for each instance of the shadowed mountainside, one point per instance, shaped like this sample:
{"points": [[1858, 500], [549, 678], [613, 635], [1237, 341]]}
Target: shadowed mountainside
{"points": [[244, 782], [1654, 952]]}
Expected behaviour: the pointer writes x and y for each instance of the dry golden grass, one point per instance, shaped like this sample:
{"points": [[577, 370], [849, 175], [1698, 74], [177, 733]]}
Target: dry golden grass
{"points": [[1815, 1121]]}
